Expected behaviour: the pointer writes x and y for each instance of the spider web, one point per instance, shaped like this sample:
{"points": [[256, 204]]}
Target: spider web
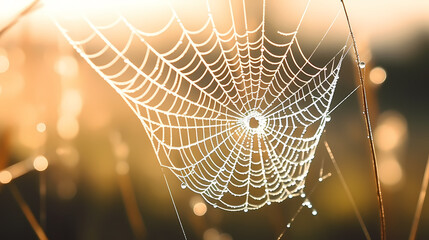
{"points": [[234, 111]]}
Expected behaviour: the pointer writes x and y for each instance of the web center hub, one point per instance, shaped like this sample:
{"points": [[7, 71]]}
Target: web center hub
{"points": [[254, 122]]}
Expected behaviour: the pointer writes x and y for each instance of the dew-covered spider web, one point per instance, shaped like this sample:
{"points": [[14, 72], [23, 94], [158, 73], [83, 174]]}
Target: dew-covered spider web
{"points": [[233, 105]]}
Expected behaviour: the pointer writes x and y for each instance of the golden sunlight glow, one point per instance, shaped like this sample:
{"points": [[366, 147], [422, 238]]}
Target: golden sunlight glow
{"points": [[377, 75], [5, 177], [390, 171], [73, 6], [40, 163]]}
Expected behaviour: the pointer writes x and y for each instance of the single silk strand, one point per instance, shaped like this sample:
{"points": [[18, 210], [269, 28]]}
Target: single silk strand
{"points": [[349, 194]]}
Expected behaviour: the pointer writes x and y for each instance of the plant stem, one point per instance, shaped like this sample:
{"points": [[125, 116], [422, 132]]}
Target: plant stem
{"points": [[368, 129], [347, 190], [32, 6], [28, 213], [420, 202]]}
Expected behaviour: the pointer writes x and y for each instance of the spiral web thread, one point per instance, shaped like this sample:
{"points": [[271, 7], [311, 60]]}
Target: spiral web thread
{"points": [[236, 115]]}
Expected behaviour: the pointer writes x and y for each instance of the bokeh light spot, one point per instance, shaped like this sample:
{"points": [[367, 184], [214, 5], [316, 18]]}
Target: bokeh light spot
{"points": [[211, 234], [122, 168], [67, 66], [71, 102], [4, 64], [5, 177], [40, 163], [67, 127], [41, 127], [390, 171], [200, 209], [391, 131], [377, 75], [68, 155]]}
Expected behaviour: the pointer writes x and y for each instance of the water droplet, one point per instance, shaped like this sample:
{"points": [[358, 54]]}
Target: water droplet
{"points": [[288, 225], [362, 64], [328, 118], [320, 179], [303, 195], [246, 210], [268, 203], [314, 212], [183, 185]]}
